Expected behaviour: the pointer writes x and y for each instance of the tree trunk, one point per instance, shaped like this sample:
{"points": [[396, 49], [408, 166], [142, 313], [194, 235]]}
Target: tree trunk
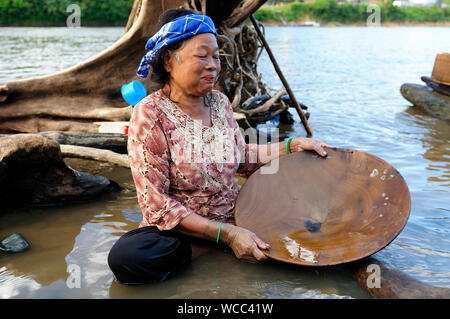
{"points": [[115, 142]]}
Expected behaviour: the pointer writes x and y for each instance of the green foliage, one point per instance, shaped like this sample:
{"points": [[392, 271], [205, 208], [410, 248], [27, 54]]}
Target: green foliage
{"points": [[295, 11], [265, 14], [106, 11], [10, 9], [324, 10], [331, 11], [29, 12], [115, 12]]}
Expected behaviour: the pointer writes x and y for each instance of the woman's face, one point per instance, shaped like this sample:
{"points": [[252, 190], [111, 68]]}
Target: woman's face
{"points": [[195, 66]]}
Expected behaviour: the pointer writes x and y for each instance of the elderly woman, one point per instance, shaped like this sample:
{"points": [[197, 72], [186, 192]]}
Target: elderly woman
{"points": [[185, 149]]}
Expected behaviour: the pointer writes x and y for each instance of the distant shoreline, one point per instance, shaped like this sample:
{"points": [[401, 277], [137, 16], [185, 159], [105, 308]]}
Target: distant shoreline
{"points": [[357, 24], [330, 13], [266, 23]]}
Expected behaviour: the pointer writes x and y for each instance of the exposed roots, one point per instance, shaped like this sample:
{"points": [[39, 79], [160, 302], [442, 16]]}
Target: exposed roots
{"points": [[240, 50]]}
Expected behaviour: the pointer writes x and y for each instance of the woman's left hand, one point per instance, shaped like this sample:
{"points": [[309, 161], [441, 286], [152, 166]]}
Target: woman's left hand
{"points": [[303, 144]]}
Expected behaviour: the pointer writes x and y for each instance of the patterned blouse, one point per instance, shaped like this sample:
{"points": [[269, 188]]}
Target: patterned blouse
{"points": [[180, 166]]}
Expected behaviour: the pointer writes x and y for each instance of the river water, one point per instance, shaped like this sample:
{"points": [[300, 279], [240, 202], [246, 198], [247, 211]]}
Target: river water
{"points": [[349, 77]]}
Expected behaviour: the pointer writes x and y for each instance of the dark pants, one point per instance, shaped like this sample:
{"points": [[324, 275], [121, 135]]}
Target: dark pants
{"points": [[146, 255]]}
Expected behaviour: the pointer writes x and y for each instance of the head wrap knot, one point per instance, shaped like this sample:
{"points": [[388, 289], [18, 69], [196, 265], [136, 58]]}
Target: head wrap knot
{"points": [[173, 31]]}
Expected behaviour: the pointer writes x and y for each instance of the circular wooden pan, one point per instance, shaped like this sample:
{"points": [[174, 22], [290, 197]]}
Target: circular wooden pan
{"points": [[324, 211]]}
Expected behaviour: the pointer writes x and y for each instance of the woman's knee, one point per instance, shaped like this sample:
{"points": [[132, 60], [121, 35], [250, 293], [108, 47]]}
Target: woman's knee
{"points": [[146, 255]]}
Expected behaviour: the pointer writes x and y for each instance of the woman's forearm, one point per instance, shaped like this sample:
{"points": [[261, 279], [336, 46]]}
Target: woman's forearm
{"points": [[244, 243], [269, 152], [197, 226]]}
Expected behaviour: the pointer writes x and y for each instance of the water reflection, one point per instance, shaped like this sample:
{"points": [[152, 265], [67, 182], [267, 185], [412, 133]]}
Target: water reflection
{"points": [[37, 51], [42, 271], [60, 237], [355, 103], [51, 236], [422, 249], [220, 275], [437, 146]]}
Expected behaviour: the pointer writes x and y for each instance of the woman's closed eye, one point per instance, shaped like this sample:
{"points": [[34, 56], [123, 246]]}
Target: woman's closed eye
{"points": [[204, 56]]}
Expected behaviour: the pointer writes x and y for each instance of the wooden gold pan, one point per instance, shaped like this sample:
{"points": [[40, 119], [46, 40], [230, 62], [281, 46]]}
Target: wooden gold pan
{"points": [[324, 211]]}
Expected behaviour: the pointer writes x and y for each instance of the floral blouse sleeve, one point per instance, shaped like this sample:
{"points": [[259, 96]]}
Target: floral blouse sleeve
{"points": [[248, 152], [149, 157]]}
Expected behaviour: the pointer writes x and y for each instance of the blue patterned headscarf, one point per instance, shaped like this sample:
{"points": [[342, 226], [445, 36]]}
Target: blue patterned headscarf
{"points": [[173, 31]]}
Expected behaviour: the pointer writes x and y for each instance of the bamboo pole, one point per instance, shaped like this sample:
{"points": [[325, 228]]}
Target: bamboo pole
{"points": [[282, 78]]}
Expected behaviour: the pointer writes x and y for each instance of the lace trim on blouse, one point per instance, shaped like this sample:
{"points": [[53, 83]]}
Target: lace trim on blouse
{"points": [[203, 144]]}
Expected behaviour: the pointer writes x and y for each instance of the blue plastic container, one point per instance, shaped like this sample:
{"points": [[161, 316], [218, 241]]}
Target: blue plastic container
{"points": [[133, 92]]}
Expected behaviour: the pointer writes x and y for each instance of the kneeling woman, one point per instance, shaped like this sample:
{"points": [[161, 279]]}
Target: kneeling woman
{"points": [[185, 148]]}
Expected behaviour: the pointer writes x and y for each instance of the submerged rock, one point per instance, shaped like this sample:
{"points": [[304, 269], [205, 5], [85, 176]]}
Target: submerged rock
{"points": [[14, 243], [384, 282], [33, 173]]}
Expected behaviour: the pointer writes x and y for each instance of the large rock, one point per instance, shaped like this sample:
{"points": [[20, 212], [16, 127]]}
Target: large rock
{"points": [[32, 172], [436, 104]]}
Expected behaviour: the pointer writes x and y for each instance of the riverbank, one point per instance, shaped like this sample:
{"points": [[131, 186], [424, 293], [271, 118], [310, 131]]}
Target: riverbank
{"points": [[309, 23], [59, 12], [330, 13], [30, 13]]}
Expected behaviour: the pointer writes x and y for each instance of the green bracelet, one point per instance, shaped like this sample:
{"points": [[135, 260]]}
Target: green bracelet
{"points": [[287, 144], [218, 234]]}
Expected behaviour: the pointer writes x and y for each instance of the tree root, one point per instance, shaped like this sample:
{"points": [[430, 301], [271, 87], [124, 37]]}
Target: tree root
{"points": [[239, 78], [91, 153]]}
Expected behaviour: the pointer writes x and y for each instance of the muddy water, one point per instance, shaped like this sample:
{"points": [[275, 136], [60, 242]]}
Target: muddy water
{"points": [[64, 238], [349, 78]]}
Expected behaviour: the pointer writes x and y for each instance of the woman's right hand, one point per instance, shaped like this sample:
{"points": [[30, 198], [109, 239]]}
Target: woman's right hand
{"points": [[245, 244]]}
